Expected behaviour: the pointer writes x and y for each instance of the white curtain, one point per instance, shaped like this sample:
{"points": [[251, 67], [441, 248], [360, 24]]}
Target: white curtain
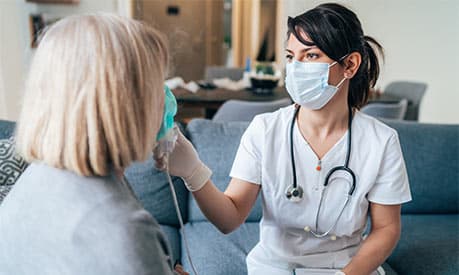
{"points": [[2, 96], [125, 7], [245, 30]]}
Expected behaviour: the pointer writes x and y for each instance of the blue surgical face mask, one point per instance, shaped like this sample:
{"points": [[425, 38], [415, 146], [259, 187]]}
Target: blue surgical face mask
{"points": [[307, 83], [170, 109]]}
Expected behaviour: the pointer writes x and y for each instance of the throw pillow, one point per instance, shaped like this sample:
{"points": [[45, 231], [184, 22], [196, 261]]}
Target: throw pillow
{"points": [[11, 166]]}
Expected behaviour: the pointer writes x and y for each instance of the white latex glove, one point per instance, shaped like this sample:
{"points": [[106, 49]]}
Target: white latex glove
{"points": [[184, 162]]}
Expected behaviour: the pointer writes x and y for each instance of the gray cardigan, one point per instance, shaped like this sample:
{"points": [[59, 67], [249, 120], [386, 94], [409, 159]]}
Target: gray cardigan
{"points": [[56, 222]]}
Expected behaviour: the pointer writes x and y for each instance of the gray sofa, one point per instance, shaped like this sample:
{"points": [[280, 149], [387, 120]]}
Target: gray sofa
{"points": [[430, 226]]}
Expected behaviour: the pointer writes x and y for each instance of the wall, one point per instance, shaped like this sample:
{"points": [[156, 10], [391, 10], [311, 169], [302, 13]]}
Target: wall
{"points": [[84, 6], [421, 39], [3, 110], [15, 51], [14, 54]]}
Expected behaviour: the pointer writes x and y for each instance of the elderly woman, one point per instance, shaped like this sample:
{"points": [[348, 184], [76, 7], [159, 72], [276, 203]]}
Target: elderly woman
{"points": [[93, 104]]}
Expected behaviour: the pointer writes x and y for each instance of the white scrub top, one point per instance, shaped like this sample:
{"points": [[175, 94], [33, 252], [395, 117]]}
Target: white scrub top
{"points": [[263, 158]]}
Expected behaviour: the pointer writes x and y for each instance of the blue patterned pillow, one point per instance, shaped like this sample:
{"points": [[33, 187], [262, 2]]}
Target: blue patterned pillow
{"points": [[11, 166]]}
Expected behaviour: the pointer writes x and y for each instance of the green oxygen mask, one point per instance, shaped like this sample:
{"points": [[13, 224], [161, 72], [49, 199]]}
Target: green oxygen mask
{"points": [[170, 110]]}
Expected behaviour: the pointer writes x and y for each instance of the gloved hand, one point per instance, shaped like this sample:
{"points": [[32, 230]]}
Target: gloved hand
{"points": [[178, 269], [184, 162]]}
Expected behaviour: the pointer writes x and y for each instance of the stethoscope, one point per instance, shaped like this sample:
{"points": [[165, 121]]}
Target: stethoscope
{"points": [[295, 192]]}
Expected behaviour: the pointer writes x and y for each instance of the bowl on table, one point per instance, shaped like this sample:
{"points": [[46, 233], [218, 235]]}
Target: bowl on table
{"points": [[263, 84]]}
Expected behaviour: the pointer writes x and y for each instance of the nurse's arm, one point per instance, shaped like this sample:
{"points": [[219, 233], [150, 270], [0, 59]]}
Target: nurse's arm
{"points": [[227, 210], [383, 237]]}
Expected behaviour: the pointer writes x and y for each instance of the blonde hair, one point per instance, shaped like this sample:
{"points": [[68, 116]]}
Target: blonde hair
{"points": [[94, 95]]}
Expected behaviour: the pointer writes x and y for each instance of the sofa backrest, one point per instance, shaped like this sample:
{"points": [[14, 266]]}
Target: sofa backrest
{"points": [[6, 128], [431, 153], [216, 144]]}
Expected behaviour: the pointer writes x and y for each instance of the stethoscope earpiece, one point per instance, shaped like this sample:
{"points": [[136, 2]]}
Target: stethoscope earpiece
{"points": [[294, 194]]}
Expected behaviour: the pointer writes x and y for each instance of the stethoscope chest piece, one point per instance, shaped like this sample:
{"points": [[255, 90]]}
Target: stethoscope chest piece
{"points": [[294, 194]]}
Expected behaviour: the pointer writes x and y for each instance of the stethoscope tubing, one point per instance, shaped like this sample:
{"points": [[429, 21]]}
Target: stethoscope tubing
{"points": [[345, 168]]}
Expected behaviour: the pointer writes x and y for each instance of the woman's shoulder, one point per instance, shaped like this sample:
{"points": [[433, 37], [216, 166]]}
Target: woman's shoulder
{"points": [[115, 221], [96, 214], [55, 181], [273, 120], [372, 127], [60, 189], [126, 234]]}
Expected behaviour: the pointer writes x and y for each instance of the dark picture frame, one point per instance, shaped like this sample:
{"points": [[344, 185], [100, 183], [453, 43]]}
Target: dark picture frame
{"points": [[36, 26], [38, 23]]}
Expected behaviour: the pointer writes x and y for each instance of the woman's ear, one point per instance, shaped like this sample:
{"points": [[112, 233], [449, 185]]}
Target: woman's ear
{"points": [[351, 64]]}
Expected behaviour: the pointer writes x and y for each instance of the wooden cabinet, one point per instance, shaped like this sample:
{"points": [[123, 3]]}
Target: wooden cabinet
{"points": [[194, 30]]}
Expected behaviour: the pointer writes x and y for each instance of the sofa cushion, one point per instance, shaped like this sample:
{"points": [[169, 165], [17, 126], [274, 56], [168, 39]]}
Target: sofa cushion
{"points": [[429, 245], [431, 153], [214, 253], [11, 166], [152, 188], [216, 144]]}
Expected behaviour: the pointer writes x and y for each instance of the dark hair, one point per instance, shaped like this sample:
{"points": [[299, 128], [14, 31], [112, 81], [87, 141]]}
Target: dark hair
{"points": [[337, 31]]}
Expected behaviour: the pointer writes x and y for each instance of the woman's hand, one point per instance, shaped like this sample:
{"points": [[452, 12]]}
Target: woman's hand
{"points": [[184, 159], [184, 162], [179, 270]]}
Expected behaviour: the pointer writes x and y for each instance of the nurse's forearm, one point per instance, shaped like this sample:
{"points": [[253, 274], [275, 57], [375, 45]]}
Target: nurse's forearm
{"points": [[218, 208], [374, 251]]}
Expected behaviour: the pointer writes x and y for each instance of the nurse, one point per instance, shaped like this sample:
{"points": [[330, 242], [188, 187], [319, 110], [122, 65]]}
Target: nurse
{"points": [[320, 165]]}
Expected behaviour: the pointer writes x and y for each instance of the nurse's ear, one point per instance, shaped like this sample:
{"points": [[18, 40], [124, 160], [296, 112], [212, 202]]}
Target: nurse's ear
{"points": [[351, 64]]}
